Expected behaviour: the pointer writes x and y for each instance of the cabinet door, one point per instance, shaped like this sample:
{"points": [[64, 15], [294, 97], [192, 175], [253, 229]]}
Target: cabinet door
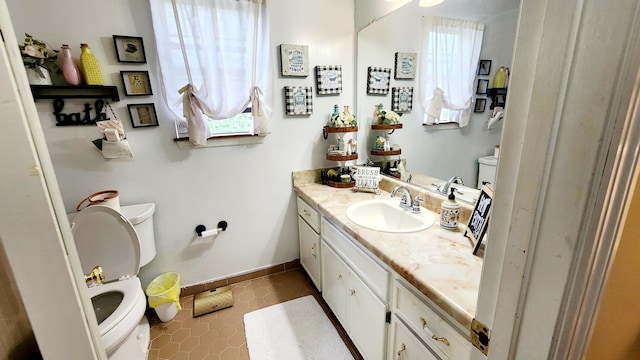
{"points": [[367, 323], [405, 346], [310, 251], [334, 283]]}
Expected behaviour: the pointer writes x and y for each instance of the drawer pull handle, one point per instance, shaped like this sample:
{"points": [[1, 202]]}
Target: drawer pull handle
{"points": [[424, 323], [441, 339], [313, 250], [306, 213], [352, 292], [403, 348]]}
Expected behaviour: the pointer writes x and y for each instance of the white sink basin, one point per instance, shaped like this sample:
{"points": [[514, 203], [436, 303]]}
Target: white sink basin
{"points": [[463, 193], [386, 215]]}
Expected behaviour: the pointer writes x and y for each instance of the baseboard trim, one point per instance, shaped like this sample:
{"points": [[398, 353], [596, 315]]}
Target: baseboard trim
{"points": [[194, 289]]}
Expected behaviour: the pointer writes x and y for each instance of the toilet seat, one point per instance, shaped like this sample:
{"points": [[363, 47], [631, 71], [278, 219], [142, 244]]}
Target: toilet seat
{"points": [[115, 328], [105, 237]]}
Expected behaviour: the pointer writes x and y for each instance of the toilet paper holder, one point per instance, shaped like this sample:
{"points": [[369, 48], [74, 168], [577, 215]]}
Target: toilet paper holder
{"points": [[222, 226]]}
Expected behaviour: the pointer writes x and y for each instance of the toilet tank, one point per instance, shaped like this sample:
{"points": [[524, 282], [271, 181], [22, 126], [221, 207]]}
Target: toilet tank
{"points": [[487, 170], [141, 216]]}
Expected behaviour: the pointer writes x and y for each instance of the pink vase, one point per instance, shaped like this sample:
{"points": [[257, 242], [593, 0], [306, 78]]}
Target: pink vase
{"points": [[70, 70]]}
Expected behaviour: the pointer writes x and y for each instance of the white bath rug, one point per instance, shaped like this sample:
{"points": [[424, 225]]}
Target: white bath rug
{"points": [[296, 329]]}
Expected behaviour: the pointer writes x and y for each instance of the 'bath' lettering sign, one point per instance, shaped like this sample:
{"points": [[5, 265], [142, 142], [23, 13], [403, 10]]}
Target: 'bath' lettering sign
{"points": [[477, 226], [83, 118]]}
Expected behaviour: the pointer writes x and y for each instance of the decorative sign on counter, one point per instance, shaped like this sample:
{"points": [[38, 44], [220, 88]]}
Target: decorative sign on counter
{"points": [[367, 179], [479, 219]]}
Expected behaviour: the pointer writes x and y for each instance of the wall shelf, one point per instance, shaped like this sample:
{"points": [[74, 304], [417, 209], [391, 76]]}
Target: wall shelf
{"points": [[75, 92]]}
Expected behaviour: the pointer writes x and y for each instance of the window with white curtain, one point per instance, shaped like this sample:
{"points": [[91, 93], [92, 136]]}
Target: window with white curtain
{"points": [[214, 65], [449, 54]]}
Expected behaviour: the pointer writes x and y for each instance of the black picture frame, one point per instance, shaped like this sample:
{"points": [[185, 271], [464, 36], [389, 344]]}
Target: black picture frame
{"points": [[480, 106], [143, 115], [483, 86], [402, 99], [136, 83], [129, 49], [484, 67]]}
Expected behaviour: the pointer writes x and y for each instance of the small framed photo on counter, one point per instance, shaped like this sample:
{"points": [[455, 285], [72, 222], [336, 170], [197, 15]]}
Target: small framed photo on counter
{"points": [[143, 115], [136, 83], [129, 49]]}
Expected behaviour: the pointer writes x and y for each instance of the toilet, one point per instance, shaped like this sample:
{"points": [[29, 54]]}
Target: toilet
{"points": [[120, 242], [487, 170]]}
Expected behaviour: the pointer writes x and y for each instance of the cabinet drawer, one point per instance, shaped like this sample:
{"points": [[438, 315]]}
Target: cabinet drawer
{"points": [[309, 214], [435, 331], [406, 346], [370, 271]]}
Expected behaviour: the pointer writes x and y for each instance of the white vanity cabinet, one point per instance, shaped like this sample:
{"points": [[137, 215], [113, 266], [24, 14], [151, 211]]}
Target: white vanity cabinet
{"points": [[430, 327], [355, 288], [309, 236]]}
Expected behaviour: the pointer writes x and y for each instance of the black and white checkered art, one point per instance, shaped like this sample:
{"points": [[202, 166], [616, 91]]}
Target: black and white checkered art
{"points": [[378, 80], [298, 100], [401, 99], [329, 79]]}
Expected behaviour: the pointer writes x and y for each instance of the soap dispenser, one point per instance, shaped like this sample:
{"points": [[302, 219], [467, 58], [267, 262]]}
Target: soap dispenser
{"points": [[449, 212]]}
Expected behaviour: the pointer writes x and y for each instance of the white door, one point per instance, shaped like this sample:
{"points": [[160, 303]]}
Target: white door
{"points": [[41, 254]]}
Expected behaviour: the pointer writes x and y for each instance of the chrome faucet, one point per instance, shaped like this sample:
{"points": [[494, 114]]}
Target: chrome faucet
{"points": [[455, 179], [406, 202]]}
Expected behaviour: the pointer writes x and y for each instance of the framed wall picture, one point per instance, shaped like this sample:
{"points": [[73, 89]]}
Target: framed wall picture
{"points": [[329, 79], [481, 104], [484, 67], [477, 226], [378, 80], [298, 100], [401, 99], [294, 60], [405, 65], [129, 49], [136, 83], [143, 115], [483, 85]]}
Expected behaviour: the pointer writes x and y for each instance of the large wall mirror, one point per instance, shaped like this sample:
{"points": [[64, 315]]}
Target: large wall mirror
{"points": [[437, 151]]}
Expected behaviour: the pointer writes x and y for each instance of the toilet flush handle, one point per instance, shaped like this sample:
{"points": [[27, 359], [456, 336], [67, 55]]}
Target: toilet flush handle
{"points": [[96, 276]]}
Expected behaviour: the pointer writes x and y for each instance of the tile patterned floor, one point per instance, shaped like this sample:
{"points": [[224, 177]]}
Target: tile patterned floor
{"points": [[220, 335]]}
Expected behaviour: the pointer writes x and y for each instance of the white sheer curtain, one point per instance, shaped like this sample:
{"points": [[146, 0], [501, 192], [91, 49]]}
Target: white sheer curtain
{"points": [[449, 55], [214, 59]]}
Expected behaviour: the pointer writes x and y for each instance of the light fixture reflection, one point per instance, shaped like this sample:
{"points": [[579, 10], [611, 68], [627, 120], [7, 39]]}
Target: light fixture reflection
{"points": [[428, 3]]}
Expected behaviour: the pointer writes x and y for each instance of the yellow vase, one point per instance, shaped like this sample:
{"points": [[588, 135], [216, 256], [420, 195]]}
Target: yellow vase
{"points": [[90, 67], [500, 78]]}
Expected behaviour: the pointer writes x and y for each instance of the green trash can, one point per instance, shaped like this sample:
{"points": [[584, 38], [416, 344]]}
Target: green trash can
{"points": [[164, 295]]}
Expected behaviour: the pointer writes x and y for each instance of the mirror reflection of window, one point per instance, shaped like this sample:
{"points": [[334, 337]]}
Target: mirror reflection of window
{"points": [[449, 52]]}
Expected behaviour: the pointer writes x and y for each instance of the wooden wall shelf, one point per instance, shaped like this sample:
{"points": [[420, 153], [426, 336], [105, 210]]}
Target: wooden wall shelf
{"points": [[386, 153], [342, 157], [342, 129], [75, 92], [386, 126]]}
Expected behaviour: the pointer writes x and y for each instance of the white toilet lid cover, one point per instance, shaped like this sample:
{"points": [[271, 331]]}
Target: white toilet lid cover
{"points": [[104, 237]]}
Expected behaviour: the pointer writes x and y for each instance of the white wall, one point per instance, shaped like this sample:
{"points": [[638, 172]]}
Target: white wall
{"points": [[432, 150], [248, 186]]}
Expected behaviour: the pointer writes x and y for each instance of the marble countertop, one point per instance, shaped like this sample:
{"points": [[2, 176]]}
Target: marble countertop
{"points": [[438, 262]]}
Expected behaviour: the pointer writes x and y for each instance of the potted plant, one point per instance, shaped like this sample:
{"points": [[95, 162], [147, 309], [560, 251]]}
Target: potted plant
{"points": [[39, 60]]}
